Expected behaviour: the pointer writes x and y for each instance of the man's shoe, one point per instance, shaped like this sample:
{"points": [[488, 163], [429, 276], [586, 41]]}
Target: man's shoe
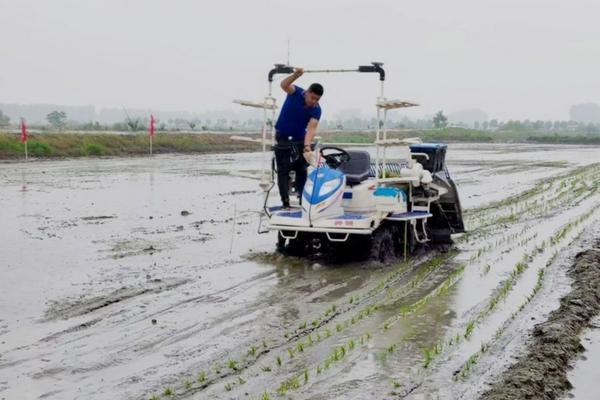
{"points": [[286, 206]]}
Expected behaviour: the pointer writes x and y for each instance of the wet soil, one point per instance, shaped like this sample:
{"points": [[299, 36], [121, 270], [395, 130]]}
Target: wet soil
{"points": [[145, 278], [541, 372]]}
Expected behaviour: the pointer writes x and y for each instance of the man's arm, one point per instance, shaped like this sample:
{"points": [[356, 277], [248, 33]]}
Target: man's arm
{"points": [[286, 84], [311, 130]]}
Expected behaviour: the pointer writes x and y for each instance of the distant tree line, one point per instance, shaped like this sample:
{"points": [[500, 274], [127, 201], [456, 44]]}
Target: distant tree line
{"points": [[59, 120]]}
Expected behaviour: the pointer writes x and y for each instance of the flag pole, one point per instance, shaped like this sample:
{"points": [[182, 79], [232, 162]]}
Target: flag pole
{"points": [[151, 130], [24, 136]]}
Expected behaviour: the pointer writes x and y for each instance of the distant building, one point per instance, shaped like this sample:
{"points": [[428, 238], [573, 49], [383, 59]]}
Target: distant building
{"points": [[587, 112]]}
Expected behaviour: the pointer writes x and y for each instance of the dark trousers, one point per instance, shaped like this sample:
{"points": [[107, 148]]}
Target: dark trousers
{"points": [[289, 157]]}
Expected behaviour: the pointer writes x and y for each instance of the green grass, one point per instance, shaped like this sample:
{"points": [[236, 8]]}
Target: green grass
{"points": [[94, 149], [61, 145]]}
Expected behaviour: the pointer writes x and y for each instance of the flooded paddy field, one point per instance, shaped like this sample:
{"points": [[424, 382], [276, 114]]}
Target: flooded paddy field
{"points": [[146, 278]]}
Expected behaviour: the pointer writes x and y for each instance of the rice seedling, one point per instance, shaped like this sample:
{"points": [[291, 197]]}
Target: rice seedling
{"points": [[266, 368], [290, 352], [351, 344], [217, 368], [486, 269], [300, 347], [252, 351], [392, 348], [338, 327], [188, 384], [279, 362], [264, 343], [290, 384], [265, 396], [202, 377], [305, 376], [228, 387], [469, 329], [319, 369], [396, 384], [232, 364], [241, 381], [483, 347], [428, 358], [168, 392], [314, 323], [154, 397], [302, 326]]}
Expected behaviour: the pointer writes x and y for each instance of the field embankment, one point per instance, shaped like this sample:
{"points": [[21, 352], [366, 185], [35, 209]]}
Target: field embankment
{"points": [[80, 144]]}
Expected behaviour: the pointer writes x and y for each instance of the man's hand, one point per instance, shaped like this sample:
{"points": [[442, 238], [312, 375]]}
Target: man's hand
{"points": [[286, 84], [309, 156]]}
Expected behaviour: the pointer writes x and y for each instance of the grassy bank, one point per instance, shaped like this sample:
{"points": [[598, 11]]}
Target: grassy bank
{"points": [[59, 145], [449, 135]]}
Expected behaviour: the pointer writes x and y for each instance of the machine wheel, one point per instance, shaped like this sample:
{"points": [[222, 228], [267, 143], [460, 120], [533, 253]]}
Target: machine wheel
{"points": [[411, 243], [382, 245], [294, 247], [439, 228]]}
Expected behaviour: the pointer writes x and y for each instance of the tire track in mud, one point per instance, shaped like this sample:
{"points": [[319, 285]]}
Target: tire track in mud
{"points": [[306, 335], [65, 309]]}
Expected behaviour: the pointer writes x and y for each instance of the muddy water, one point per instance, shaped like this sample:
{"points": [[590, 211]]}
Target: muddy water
{"points": [[584, 376], [128, 278]]}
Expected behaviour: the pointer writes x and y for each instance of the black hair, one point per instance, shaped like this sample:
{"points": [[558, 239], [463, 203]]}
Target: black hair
{"points": [[316, 88]]}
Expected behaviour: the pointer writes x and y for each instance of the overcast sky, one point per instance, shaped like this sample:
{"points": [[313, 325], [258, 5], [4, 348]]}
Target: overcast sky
{"points": [[511, 58]]}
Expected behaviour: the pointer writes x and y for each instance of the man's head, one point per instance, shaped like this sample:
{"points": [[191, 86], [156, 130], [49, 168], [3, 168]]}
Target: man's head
{"points": [[313, 94]]}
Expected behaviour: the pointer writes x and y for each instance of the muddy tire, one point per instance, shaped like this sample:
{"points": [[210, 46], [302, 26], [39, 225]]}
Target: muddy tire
{"points": [[411, 243], [292, 247], [382, 245], [440, 236], [439, 229]]}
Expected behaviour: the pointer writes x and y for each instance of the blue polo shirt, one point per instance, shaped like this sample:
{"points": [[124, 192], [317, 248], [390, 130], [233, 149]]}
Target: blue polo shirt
{"points": [[294, 116]]}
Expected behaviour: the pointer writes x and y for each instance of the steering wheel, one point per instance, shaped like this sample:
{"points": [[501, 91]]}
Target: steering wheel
{"points": [[334, 156]]}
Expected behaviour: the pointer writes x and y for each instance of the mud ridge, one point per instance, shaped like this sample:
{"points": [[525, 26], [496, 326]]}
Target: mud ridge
{"points": [[541, 373], [67, 309]]}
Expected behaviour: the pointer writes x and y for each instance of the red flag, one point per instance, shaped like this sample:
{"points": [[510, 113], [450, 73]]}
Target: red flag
{"points": [[152, 128], [23, 130]]}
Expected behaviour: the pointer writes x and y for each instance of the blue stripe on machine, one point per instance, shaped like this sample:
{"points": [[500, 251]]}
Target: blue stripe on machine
{"points": [[347, 195], [290, 214]]}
